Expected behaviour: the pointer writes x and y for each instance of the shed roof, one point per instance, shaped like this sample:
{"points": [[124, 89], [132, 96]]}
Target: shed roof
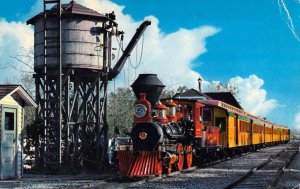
{"points": [[191, 94], [73, 8], [225, 97], [221, 96], [6, 90]]}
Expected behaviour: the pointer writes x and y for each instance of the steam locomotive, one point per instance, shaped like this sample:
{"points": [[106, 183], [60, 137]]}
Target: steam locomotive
{"points": [[168, 135]]}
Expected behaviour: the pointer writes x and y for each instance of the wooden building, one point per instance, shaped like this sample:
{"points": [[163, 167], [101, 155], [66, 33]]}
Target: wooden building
{"points": [[13, 99]]}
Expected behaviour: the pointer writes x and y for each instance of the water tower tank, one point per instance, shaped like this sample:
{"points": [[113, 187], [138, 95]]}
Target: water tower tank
{"points": [[81, 46]]}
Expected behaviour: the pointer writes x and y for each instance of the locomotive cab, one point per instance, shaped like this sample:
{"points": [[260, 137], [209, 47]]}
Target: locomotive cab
{"points": [[191, 115]]}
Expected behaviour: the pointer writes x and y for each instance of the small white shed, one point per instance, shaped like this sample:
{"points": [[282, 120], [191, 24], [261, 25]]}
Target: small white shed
{"points": [[13, 99]]}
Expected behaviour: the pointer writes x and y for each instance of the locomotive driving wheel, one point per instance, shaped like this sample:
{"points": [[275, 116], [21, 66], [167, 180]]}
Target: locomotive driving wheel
{"points": [[189, 156], [180, 161]]}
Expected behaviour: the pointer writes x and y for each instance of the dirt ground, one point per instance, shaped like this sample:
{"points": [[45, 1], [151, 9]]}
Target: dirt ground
{"points": [[57, 181], [109, 179]]}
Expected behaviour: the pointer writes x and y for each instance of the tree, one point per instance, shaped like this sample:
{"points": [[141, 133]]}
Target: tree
{"points": [[217, 86], [169, 93], [27, 82], [23, 67], [120, 111], [25, 57], [182, 89]]}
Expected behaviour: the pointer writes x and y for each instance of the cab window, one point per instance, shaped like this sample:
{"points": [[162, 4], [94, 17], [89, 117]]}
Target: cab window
{"points": [[207, 114]]}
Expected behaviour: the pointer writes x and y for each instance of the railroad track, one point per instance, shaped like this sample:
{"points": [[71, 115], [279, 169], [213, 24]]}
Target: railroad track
{"points": [[218, 174], [267, 174], [146, 182]]}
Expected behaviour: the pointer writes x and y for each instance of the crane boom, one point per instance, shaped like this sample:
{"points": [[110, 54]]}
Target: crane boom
{"points": [[119, 65]]}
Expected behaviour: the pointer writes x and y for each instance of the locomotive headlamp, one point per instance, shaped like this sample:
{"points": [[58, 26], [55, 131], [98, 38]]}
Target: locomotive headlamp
{"points": [[143, 135], [140, 110]]}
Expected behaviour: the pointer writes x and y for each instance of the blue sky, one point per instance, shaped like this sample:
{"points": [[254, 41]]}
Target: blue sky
{"points": [[251, 37], [254, 39]]}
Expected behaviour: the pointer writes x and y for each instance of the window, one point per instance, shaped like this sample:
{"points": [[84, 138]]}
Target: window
{"points": [[9, 121], [244, 126], [172, 111], [200, 114], [221, 123], [179, 108], [188, 112], [207, 114], [161, 113]]}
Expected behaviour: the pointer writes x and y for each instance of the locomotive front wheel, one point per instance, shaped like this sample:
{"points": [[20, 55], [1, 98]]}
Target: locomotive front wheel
{"points": [[189, 156], [180, 153]]}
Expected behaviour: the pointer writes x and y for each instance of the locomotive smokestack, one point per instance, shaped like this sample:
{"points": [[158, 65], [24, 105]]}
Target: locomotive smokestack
{"points": [[149, 84]]}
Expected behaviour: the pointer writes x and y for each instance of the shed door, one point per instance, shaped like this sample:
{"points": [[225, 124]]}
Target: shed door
{"points": [[8, 141]]}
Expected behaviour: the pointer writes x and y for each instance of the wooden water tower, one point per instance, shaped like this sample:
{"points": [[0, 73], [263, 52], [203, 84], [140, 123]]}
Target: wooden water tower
{"points": [[72, 64]]}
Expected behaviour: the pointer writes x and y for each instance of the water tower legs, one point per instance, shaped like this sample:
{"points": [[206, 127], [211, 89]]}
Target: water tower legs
{"points": [[83, 125]]}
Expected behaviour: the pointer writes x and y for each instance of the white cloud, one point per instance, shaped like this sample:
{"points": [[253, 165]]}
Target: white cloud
{"points": [[249, 92], [253, 97], [297, 121], [14, 36], [168, 55]]}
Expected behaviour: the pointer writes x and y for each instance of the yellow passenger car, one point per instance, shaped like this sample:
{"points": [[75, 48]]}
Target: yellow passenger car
{"points": [[239, 129]]}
